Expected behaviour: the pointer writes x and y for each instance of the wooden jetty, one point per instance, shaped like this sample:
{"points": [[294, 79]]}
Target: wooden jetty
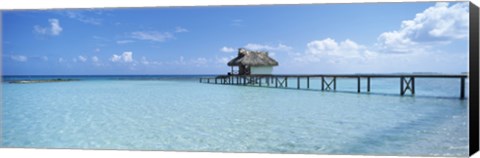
{"points": [[329, 81]]}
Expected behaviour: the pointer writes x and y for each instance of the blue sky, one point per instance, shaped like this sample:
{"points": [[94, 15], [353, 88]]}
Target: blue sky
{"points": [[311, 39]]}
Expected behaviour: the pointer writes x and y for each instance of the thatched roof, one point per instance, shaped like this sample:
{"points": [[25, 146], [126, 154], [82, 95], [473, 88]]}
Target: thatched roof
{"points": [[252, 58]]}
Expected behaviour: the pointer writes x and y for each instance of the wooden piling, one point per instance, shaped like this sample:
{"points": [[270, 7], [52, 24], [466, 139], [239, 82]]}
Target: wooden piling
{"points": [[308, 82], [368, 84], [358, 84], [260, 81], [462, 88], [334, 83], [402, 92], [298, 82], [323, 83], [412, 81], [276, 82], [267, 80], [286, 82]]}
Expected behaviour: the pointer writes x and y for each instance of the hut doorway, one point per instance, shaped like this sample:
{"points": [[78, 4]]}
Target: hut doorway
{"points": [[244, 70]]}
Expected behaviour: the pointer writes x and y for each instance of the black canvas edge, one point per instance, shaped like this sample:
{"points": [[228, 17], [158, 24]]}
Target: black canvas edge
{"points": [[473, 78]]}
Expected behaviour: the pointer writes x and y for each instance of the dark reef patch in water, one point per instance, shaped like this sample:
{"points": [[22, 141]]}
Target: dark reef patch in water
{"points": [[41, 81]]}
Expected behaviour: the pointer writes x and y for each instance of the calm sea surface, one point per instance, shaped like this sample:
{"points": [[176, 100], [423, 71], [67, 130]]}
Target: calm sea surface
{"points": [[179, 113]]}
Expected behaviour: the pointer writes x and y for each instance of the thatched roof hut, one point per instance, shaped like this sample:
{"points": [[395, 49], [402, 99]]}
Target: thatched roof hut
{"points": [[252, 62], [252, 58]]}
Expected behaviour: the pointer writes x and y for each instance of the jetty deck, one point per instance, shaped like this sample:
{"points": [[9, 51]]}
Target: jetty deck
{"points": [[329, 81]]}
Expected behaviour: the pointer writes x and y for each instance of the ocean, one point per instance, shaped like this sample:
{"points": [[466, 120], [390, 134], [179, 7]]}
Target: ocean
{"points": [[177, 113]]}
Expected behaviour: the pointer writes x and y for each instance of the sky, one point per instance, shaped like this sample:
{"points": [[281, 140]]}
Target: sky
{"points": [[304, 39]]}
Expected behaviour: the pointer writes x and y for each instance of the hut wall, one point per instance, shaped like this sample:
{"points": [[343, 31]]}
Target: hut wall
{"points": [[264, 70]]}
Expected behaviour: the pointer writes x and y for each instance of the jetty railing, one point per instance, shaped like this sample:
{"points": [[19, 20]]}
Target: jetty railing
{"points": [[329, 81]]}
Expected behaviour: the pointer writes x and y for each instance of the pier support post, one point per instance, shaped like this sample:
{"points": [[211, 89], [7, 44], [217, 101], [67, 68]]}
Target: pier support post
{"points": [[308, 82], [401, 85], [286, 82], [260, 81], [368, 84], [267, 80], [298, 82], [334, 83], [358, 84], [276, 82], [412, 80], [200, 80], [462, 88], [323, 83], [410, 85], [208, 80], [327, 85]]}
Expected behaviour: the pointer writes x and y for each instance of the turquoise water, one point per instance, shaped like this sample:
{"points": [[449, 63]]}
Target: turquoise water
{"points": [[184, 115]]}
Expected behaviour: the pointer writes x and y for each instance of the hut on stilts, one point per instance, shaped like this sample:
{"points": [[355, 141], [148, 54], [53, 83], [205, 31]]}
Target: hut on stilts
{"points": [[252, 63]]}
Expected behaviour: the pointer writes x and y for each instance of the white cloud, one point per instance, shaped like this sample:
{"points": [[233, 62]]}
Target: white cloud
{"points": [[227, 49], [100, 38], [95, 59], [61, 60], [54, 29], [180, 61], [260, 47], [55, 26], [97, 50], [152, 36], [347, 48], [77, 15], [40, 30], [199, 61], [331, 51], [20, 58], [180, 29], [404, 50], [223, 60], [124, 41], [237, 22], [82, 58], [435, 25], [44, 58], [126, 57], [144, 61], [116, 58]]}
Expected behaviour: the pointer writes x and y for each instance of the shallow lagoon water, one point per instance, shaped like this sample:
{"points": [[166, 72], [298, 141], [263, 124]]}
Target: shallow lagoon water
{"points": [[184, 115]]}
